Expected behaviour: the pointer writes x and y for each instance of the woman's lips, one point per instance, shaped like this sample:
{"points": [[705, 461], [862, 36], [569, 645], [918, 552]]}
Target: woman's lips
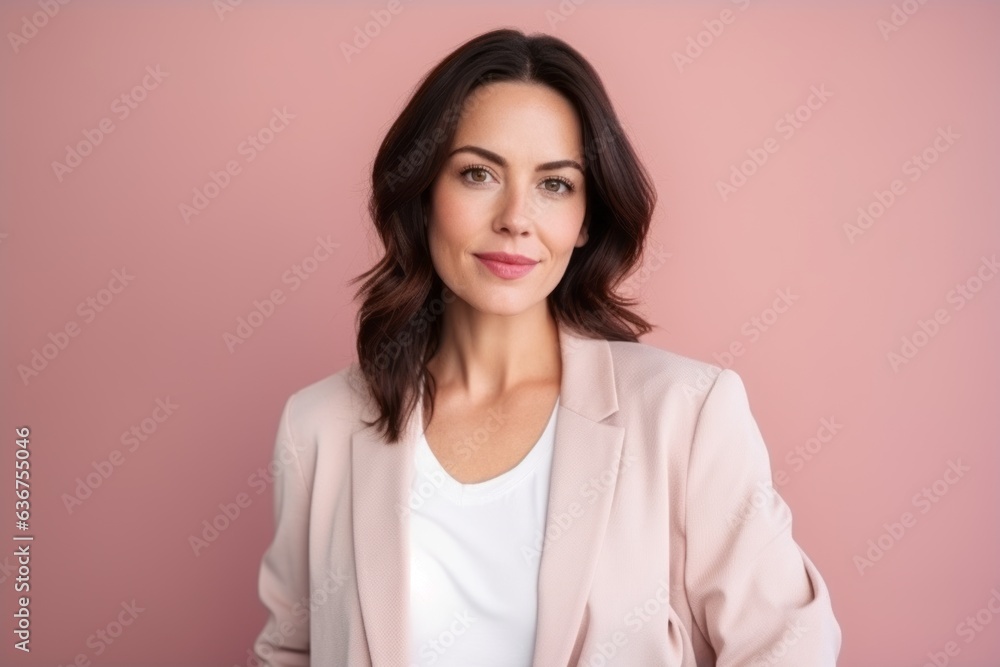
{"points": [[506, 270]]}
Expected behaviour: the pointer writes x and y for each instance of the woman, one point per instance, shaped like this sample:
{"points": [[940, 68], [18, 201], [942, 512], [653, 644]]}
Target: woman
{"points": [[506, 476]]}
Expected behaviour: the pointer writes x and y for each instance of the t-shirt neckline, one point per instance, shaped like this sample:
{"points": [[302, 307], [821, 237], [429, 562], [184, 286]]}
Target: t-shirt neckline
{"points": [[429, 468]]}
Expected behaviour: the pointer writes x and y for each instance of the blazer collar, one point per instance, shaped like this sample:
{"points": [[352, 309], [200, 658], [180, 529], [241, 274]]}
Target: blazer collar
{"points": [[585, 448]]}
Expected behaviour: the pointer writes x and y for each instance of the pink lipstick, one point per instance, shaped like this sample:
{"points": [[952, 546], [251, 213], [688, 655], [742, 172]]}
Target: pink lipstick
{"points": [[505, 265]]}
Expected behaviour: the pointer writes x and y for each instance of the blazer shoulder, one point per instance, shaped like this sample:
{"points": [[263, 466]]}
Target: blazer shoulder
{"points": [[330, 402], [638, 365]]}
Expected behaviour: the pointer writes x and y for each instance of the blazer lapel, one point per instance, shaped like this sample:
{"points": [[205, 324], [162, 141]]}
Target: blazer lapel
{"points": [[381, 476], [585, 450]]}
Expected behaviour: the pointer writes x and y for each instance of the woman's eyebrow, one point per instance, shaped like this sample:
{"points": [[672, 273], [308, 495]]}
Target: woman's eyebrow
{"points": [[490, 155]]}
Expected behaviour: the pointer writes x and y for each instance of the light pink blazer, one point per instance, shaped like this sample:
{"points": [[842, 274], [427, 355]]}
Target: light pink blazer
{"points": [[665, 546]]}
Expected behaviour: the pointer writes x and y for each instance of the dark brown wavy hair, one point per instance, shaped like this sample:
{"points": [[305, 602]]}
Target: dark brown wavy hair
{"points": [[403, 298]]}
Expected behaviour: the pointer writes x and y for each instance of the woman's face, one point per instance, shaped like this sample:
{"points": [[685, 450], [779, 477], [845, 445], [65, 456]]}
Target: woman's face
{"points": [[509, 185]]}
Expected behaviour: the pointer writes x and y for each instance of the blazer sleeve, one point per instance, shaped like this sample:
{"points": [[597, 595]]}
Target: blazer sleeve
{"points": [[754, 594], [284, 571]]}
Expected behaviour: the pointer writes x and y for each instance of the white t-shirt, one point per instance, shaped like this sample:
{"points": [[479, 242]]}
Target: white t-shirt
{"points": [[474, 556]]}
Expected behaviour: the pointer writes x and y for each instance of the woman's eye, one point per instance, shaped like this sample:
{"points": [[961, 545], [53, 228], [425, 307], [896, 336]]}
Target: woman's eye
{"points": [[476, 171], [481, 175], [558, 183]]}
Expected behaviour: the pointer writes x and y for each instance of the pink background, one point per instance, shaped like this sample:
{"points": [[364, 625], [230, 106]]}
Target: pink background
{"points": [[721, 264]]}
